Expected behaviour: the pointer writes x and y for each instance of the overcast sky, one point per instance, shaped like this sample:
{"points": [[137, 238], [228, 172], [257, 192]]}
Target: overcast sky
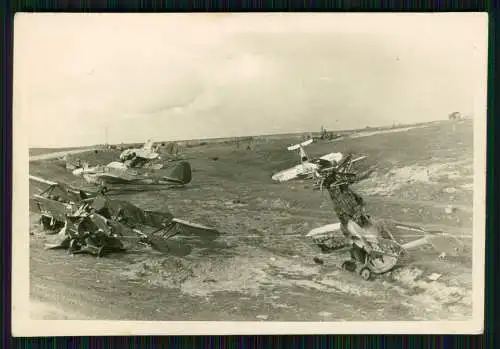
{"points": [[185, 76]]}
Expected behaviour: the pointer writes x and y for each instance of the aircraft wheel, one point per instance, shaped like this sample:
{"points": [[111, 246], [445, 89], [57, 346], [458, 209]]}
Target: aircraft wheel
{"points": [[365, 274]]}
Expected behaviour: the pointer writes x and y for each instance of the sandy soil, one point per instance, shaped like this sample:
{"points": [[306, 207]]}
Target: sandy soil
{"points": [[262, 268]]}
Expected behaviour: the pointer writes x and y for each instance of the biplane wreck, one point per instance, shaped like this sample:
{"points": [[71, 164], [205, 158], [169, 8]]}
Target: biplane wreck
{"points": [[307, 167], [371, 243], [85, 222]]}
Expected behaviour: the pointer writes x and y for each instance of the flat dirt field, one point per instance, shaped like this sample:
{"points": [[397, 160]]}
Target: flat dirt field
{"points": [[263, 268]]}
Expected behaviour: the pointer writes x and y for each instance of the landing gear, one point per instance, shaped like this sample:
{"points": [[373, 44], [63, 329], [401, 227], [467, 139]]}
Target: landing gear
{"points": [[362, 269], [365, 273], [365, 264]]}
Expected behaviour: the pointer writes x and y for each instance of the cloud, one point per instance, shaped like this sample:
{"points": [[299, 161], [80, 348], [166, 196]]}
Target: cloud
{"points": [[181, 76]]}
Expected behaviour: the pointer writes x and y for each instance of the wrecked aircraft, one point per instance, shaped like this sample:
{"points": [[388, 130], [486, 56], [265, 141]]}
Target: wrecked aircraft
{"points": [[371, 243], [139, 157], [114, 175], [307, 167], [92, 223]]}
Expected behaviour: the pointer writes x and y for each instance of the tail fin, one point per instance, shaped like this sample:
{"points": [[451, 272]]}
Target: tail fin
{"points": [[181, 173], [300, 145], [148, 145]]}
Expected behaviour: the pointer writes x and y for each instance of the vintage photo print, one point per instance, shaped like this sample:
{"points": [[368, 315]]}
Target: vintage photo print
{"points": [[248, 173]]}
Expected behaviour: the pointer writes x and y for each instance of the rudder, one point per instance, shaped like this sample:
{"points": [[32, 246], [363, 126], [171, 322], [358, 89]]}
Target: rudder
{"points": [[182, 172]]}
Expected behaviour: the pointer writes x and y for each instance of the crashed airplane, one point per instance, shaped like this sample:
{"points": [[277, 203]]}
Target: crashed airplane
{"points": [[85, 222], [307, 167], [371, 243], [139, 157], [115, 174], [129, 158]]}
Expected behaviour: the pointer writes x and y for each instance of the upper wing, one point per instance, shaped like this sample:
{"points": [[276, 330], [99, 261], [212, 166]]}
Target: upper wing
{"points": [[146, 154], [303, 144], [56, 209], [294, 172], [333, 157], [42, 180]]}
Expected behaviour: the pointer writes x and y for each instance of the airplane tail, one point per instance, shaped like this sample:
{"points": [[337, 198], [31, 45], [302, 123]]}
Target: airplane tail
{"points": [[148, 145], [181, 173]]}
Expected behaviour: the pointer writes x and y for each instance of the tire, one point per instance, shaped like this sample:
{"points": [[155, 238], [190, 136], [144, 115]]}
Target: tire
{"points": [[365, 274]]}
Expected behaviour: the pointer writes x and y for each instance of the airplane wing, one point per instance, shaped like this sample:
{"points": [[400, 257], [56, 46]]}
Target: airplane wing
{"points": [[42, 180], [193, 233], [192, 225], [333, 157], [359, 159], [329, 228], [331, 233], [294, 172], [56, 209], [303, 144], [105, 177], [146, 154]]}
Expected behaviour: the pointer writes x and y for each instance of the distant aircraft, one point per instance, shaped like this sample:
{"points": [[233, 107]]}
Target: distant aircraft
{"points": [[307, 167]]}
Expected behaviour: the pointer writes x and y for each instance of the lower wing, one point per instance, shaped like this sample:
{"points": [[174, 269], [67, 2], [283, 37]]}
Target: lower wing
{"points": [[293, 173], [332, 157]]}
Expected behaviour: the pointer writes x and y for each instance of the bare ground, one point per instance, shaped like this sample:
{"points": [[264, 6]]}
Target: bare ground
{"points": [[262, 267]]}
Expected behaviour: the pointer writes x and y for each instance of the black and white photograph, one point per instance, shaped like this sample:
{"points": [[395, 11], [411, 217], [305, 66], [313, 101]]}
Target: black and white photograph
{"points": [[241, 173]]}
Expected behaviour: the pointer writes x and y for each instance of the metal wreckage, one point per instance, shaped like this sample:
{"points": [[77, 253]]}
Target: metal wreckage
{"points": [[372, 246], [135, 167], [92, 223]]}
